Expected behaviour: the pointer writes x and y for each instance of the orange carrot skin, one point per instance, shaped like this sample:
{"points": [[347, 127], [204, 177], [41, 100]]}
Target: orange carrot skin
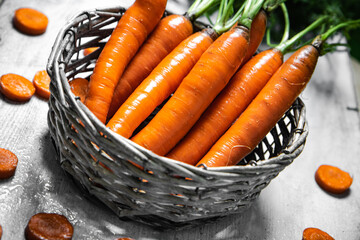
{"points": [[162, 81], [231, 102], [257, 32], [208, 77], [133, 28], [170, 31], [265, 110], [315, 234]]}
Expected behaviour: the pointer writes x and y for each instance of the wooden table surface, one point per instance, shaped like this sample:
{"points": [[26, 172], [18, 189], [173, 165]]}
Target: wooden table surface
{"points": [[292, 201]]}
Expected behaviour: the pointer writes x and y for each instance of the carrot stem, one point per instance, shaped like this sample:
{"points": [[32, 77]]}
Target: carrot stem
{"points": [[250, 10], [287, 23], [331, 31], [199, 7], [284, 46]]}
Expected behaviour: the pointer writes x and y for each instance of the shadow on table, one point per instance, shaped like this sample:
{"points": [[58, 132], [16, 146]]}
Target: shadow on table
{"points": [[249, 224]]}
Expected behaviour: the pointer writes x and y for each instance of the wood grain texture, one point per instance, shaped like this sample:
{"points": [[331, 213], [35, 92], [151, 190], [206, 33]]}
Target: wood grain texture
{"points": [[291, 202]]}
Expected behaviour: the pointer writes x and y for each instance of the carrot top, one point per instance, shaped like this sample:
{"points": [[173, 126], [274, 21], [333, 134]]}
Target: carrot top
{"points": [[200, 7], [286, 45]]}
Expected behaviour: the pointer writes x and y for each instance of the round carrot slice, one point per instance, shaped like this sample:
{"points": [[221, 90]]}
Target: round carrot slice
{"points": [[41, 82], [48, 226], [333, 179], [315, 234], [79, 86], [16, 87], [87, 51], [8, 163], [30, 21]]}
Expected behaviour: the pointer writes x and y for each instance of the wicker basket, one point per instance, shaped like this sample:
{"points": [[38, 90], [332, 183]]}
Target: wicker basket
{"points": [[167, 193]]}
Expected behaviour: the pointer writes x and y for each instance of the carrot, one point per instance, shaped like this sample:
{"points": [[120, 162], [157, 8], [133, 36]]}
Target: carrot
{"points": [[232, 101], [16, 87], [8, 163], [315, 234], [48, 226], [162, 81], [168, 34], [0, 232], [79, 86], [198, 89], [30, 21], [89, 50], [268, 106], [41, 82], [332, 179], [265, 110], [131, 31]]}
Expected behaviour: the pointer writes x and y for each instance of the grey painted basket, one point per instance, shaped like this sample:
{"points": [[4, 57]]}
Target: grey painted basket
{"points": [[167, 193]]}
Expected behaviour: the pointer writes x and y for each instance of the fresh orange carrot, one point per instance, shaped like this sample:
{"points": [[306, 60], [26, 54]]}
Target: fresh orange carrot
{"points": [[16, 87], [41, 82], [198, 89], [240, 91], [315, 234], [232, 101], [89, 50], [265, 110], [332, 179], [162, 81], [129, 34], [30, 21], [8, 163], [79, 86], [167, 35], [0, 232], [49, 226]]}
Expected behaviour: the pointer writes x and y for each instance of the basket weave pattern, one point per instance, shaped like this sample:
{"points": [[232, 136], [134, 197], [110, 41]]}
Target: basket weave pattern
{"points": [[167, 193]]}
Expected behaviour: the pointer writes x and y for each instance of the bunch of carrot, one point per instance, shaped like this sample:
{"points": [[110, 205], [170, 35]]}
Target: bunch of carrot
{"points": [[217, 101]]}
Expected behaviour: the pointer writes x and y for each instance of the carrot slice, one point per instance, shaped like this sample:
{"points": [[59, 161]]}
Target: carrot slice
{"points": [[89, 50], [0, 231], [8, 163], [48, 226], [332, 179], [30, 21], [79, 86], [41, 82], [16, 87], [315, 234]]}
